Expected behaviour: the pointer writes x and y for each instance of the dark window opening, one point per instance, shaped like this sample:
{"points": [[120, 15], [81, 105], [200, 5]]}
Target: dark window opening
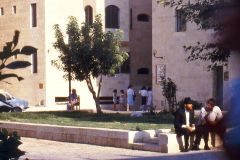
{"points": [[33, 15], [181, 23], [125, 67], [143, 18], [131, 25], [14, 9], [34, 63], [143, 71], [1, 12], [88, 15], [112, 16]]}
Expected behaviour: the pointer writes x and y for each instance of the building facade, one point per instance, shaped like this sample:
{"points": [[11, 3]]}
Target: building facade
{"points": [[153, 38]]}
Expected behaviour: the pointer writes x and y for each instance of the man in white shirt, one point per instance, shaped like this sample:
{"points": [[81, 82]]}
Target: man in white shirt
{"points": [[209, 121]]}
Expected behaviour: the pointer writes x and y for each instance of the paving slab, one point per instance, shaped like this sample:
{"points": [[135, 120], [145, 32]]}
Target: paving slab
{"points": [[37, 149]]}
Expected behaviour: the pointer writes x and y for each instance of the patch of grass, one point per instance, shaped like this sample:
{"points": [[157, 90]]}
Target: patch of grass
{"points": [[83, 119]]}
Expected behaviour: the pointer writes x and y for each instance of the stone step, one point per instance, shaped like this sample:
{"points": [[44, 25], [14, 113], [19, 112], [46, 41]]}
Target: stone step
{"points": [[153, 140], [159, 131], [145, 147]]}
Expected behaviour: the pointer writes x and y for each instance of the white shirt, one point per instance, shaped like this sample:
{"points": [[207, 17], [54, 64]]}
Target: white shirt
{"points": [[130, 91], [187, 118], [218, 112], [143, 93], [187, 114], [150, 98]]}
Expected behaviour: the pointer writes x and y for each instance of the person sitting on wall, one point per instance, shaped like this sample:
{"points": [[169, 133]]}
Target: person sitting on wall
{"points": [[184, 125], [210, 121], [201, 130], [73, 100]]}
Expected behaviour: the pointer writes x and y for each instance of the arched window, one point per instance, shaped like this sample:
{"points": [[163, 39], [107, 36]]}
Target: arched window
{"points": [[88, 15], [143, 71], [143, 17], [112, 16]]}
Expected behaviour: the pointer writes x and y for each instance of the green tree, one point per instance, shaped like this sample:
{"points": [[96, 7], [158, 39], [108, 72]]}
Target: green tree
{"points": [[207, 14], [10, 50], [89, 53]]}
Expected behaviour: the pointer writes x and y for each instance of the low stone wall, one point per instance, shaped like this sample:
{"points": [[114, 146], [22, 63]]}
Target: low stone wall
{"points": [[97, 136], [151, 140]]}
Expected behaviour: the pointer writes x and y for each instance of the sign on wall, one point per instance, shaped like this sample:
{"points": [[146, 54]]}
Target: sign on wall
{"points": [[161, 72]]}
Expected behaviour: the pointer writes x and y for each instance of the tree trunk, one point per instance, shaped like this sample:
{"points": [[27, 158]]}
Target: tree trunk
{"points": [[96, 99], [99, 87]]}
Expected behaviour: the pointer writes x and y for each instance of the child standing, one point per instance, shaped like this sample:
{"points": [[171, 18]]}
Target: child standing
{"points": [[122, 99]]}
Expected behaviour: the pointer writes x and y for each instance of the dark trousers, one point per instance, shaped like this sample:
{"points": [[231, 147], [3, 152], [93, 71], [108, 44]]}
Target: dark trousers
{"points": [[186, 134], [202, 131]]}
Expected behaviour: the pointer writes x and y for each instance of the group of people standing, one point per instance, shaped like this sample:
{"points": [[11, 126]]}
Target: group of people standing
{"points": [[210, 121], [128, 100]]}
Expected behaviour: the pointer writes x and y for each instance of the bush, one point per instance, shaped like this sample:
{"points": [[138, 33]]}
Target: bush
{"points": [[9, 143]]}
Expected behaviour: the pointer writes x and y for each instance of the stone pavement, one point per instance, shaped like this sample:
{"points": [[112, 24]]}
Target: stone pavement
{"points": [[37, 149]]}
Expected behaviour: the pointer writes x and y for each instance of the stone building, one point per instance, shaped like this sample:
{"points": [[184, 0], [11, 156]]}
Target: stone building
{"points": [[153, 38]]}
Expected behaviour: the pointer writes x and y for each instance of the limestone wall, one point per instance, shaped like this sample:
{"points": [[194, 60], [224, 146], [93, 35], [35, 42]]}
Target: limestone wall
{"points": [[30, 88], [192, 79]]}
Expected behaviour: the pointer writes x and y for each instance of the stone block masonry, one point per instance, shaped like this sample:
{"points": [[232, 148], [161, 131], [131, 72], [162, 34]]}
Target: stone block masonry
{"points": [[150, 140]]}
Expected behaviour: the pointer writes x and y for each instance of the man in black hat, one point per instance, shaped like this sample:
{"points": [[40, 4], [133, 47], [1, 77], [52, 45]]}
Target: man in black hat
{"points": [[184, 124]]}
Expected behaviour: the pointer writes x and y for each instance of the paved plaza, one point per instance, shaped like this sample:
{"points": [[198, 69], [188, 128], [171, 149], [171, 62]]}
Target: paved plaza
{"points": [[37, 149]]}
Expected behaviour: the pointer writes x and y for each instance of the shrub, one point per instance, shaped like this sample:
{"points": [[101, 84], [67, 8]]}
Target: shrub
{"points": [[9, 142]]}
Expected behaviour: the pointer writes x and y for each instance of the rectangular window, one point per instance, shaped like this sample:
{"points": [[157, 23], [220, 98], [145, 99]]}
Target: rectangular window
{"points": [[33, 16], [34, 62], [181, 23], [1, 12], [14, 9], [131, 25]]}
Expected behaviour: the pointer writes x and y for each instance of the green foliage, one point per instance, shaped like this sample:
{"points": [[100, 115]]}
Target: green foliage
{"points": [[169, 90], [89, 53], [9, 142], [207, 14], [10, 50]]}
